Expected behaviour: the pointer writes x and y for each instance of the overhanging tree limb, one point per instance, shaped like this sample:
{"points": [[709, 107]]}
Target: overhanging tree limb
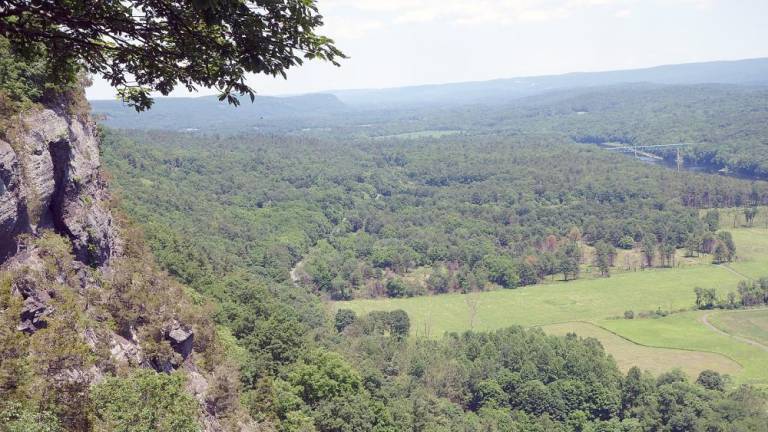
{"points": [[161, 44]]}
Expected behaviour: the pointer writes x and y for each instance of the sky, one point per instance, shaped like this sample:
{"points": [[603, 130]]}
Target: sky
{"points": [[394, 43]]}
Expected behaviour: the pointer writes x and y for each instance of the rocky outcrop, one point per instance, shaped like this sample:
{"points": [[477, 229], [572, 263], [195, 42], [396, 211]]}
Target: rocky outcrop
{"points": [[35, 307], [13, 211], [50, 180], [181, 340], [49, 167]]}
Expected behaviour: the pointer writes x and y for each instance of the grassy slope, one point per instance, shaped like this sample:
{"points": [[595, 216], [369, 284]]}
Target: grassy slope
{"points": [[750, 324], [597, 300], [656, 360], [685, 331], [581, 300], [752, 249]]}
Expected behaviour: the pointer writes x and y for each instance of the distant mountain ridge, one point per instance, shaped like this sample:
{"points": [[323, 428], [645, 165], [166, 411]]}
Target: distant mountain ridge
{"points": [[206, 111], [750, 71]]}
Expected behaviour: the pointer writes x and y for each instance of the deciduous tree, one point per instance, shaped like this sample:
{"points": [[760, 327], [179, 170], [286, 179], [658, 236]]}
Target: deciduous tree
{"points": [[157, 45]]}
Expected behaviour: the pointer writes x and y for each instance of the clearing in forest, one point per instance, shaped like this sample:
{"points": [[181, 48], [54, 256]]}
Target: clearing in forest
{"points": [[657, 360], [603, 301], [686, 331]]}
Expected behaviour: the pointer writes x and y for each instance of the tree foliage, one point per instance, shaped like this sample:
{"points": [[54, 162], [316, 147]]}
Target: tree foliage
{"points": [[360, 218], [157, 45], [361, 214], [145, 401]]}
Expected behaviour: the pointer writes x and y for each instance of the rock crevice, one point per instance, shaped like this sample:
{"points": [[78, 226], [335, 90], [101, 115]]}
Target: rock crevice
{"points": [[50, 179]]}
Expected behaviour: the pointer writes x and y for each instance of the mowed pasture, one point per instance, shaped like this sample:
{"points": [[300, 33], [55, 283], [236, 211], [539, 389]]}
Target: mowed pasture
{"points": [[656, 360], [594, 307], [748, 324], [687, 331], [752, 252]]}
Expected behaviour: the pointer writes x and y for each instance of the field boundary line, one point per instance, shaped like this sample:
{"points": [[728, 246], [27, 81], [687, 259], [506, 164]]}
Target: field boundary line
{"points": [[729, 268], [652, 346], [704, 320]]}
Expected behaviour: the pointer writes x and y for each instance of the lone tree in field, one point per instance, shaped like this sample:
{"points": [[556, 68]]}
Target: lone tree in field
{"points": [[141, 46]]}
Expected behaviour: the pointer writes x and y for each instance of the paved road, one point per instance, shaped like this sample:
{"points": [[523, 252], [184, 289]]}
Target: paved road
{"points": [[705, 320]]}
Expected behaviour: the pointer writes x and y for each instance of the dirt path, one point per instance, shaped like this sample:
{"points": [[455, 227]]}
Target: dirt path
{"points": [[727, 267], [705, 320]]}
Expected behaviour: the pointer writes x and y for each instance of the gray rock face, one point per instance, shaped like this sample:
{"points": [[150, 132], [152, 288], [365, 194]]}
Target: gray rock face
{"points": [[35, 307], [13, 210], [181, 340], [50, 179]]}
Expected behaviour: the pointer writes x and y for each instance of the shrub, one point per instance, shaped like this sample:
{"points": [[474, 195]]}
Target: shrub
{"points": [[399, 323], [344, 318], [711, 380], [16, 418], [396, 288], [144, 401], [626, 242]]}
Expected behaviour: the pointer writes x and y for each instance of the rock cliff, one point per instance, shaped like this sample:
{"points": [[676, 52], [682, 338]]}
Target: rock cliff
{"points": [[49, 167], [65, 265]]}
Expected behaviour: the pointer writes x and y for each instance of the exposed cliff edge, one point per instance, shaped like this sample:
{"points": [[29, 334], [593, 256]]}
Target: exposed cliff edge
{"points": [[49, 167], [72, 281]]}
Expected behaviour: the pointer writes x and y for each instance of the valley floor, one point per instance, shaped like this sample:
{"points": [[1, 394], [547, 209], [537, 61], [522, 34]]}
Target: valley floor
{"points": [[690, 340]]}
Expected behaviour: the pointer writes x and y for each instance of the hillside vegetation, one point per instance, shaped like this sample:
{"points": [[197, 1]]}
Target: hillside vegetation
{"points": [[490, 211], [270, 224]]}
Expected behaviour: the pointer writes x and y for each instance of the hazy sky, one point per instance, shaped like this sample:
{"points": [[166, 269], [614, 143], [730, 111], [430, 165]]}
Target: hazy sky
{"points": [[403, 42]]}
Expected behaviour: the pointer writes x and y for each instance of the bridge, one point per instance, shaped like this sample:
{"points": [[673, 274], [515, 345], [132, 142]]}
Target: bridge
{"points": [[641, 150]]}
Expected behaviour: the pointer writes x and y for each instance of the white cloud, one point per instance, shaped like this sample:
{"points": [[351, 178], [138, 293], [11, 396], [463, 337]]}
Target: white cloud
{"points": [[624, 13]]}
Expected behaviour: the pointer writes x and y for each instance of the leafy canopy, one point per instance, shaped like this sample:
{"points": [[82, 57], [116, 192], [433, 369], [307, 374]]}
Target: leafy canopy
{"points": [[145, 401], [142, 46]]}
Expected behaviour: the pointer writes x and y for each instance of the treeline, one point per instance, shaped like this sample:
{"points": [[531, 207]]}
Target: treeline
{"points": [[748, 294], [516, 379], [723, 125]]}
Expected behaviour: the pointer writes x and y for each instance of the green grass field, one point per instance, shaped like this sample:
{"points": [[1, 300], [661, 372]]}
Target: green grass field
{"points": [[686, 331], [573, 306], [752, 252], [580, 300], [750, 324], [657, 360]]}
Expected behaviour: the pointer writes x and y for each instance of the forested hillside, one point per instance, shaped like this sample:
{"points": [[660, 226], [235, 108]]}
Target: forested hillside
{"points": [[508, 210], [208, 112], [722, 125], [231, 216]]}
